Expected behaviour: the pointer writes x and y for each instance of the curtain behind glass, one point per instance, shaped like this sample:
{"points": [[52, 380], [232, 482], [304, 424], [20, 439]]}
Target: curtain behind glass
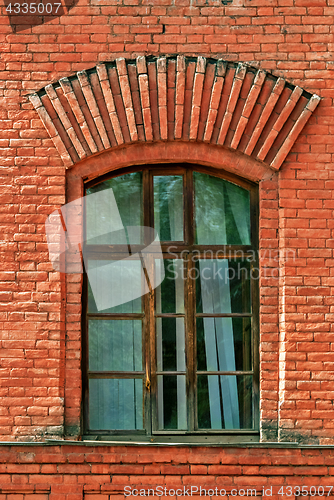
{"points": [[219, 348], [222, 217]]}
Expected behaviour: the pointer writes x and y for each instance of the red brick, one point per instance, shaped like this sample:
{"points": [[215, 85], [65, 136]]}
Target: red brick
{"points": [[293, 41]]}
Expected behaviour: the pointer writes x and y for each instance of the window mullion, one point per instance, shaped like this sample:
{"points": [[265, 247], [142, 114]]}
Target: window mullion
{"points": [[190, 304], [148, 320], [189, 208], [150, 357]]}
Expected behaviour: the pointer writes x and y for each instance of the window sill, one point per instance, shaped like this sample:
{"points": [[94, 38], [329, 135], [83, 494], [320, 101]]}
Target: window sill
{"points": [[90, 442], [176, 440]]}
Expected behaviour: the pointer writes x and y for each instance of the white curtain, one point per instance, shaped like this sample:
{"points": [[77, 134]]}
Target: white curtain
{"points": [[218, 332], [219, 344]]}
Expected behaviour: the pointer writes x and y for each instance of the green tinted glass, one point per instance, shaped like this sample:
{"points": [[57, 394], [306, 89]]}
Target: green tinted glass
{"points": [[168, 207], [118, 205], [222, 212]]}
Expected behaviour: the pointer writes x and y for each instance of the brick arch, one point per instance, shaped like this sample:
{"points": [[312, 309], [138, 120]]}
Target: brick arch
{"points": [[171, 99], [162, 153]]}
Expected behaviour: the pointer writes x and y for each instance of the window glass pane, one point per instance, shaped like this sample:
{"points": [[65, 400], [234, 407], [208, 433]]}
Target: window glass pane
{"points": [[222, 212], [169, 296], [224, 401], [224, 344], [170, 344], [115, 345], [168, 207], [172, 403], [115, 404], [115, 282], [118, 205], [222, 286]]}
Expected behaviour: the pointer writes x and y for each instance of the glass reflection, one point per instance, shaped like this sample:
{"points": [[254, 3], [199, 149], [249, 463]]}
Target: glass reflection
{"points": [[222, 212], [108, 215], [116, 404], [115, 345], [168, 207], [170, 344], [108, 289], [172, 403], [169, 296]]}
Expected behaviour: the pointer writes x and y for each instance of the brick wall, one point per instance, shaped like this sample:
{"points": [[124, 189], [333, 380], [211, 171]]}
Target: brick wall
{"points": [[40, 346], [74, 472]]}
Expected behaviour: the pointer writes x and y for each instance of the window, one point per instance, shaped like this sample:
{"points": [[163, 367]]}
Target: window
{"points": [[182, 358]]}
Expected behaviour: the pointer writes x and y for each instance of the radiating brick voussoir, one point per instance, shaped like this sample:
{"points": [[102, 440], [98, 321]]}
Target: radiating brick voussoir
{"points": [[239, 108]]}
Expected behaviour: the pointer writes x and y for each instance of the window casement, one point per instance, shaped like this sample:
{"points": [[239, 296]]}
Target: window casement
{"points": [[179, 362]]}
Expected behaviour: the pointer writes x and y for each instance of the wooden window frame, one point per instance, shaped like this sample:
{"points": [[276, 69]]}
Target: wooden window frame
{"points": [[149, 374]]}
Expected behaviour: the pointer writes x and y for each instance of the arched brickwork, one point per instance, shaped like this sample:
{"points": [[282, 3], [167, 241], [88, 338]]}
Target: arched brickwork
{"points": [[172, 99], [160, 152]]}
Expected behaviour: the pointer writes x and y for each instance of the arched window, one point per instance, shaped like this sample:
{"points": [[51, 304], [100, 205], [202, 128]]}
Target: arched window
{"points": [[171, 343]]}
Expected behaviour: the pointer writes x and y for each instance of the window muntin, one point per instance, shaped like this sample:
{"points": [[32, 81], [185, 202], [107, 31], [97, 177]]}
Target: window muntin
{"points": [[199, 362]]}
